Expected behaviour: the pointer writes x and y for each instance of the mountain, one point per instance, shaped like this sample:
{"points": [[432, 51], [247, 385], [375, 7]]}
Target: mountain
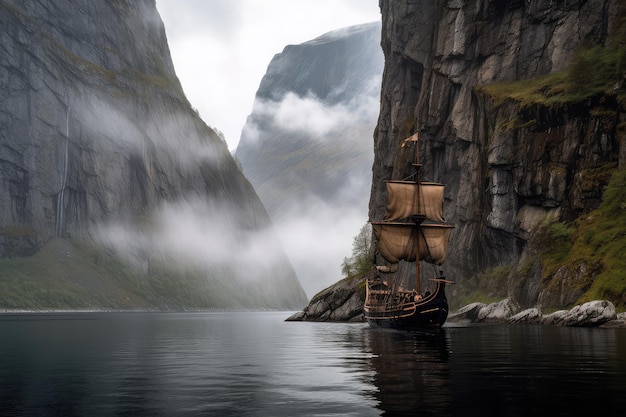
{"points": [[113, 192], [307, 145]]}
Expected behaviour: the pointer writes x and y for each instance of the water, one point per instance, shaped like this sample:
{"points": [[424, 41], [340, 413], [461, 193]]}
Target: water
{"points": [[255, 364]]}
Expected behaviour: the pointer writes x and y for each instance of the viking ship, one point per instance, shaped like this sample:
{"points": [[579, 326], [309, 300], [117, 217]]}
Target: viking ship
{"points": [[412, 230]]}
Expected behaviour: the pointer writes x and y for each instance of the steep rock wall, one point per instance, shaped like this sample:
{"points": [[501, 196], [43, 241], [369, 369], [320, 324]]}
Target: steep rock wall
{"points": [[98, 142], [502, 181]]}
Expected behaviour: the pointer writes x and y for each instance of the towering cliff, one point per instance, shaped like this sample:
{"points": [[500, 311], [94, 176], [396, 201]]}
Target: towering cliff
{"points": [[99, 146], [307, 145], [510, 162], [312, 120]]}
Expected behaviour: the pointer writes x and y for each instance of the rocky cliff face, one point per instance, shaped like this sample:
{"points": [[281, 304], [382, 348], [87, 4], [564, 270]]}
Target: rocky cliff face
{"points": [[98, 143], [507, 166]]}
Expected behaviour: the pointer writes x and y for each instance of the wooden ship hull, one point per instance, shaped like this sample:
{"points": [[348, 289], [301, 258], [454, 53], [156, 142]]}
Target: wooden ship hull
{"points": [[401, 311]]}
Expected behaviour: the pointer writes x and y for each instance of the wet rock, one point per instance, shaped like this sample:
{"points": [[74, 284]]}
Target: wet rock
{"points": [[554, 318], [498, 312], [342, 301], [469, 313], [591, 314], [620, 321], [529, 316]]}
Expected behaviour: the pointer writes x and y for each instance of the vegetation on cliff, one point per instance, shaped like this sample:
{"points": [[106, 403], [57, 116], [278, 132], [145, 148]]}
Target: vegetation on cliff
{"points": [[360, 262], [71, 274], [584, 256], [596, 74], [596, 240]]}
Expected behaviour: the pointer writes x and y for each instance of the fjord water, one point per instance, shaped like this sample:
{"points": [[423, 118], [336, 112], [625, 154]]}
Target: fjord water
{"points": [[255, 364]]}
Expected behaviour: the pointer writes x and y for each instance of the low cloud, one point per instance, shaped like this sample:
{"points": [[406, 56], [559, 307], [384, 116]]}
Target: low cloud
{"points": [[179, 134], [311, 115], [196, 233], [317, 236]]}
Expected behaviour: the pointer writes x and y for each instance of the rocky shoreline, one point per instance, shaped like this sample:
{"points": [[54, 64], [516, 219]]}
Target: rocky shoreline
{"points": [[343, 302], [598, 313]]}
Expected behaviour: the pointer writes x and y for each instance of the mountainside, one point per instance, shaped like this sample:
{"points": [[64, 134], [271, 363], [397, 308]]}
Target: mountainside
{"points": [[520, 110], [102, 155], [312, 120], [307, 145]]}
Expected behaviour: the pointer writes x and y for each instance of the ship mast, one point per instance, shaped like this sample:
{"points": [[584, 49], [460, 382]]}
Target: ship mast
{"points": [[419, 218]]}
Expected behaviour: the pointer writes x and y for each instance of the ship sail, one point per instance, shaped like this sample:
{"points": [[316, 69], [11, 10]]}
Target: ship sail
{"points": [[402, 201], [398, 241]]}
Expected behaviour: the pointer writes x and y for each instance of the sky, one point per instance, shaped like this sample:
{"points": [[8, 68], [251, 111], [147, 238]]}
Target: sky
{"points": [[221, 48]]}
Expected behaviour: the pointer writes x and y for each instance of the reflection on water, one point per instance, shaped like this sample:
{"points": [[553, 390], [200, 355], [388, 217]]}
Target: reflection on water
{"points": [[500, 370], [411, 371], [255, 364]]}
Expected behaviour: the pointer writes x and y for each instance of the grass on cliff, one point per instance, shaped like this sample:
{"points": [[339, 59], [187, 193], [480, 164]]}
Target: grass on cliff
{"points": [[63, 276], [489, 286], [66, 275], [597, 240], [596, 71]]}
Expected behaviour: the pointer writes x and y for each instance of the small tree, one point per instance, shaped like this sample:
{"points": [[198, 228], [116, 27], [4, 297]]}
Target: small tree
{"points": [[360, 261]]}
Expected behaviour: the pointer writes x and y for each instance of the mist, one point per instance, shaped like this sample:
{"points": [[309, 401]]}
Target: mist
{"points": [[317, 235], [175, 132], [203, 234], [318, 202], [192, 220], [319, 120]]}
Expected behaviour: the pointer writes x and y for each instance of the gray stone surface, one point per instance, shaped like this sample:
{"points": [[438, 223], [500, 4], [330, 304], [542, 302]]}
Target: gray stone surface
{"points": [[342, 301], [592, 314]]}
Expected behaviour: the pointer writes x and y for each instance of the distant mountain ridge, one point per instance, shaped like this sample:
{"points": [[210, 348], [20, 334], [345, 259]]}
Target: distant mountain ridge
{"points": [[99, 147]]}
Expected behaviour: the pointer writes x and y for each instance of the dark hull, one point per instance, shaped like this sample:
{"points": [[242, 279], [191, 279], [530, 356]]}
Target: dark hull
{"points": [[427, 314]]}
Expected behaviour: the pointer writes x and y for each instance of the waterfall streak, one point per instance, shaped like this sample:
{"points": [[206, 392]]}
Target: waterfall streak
{"points": [[61, 195]]}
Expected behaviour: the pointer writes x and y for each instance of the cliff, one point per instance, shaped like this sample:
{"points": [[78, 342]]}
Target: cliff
{"points": [[100, 148], [307, 145], [520, 110], [510, 163]]}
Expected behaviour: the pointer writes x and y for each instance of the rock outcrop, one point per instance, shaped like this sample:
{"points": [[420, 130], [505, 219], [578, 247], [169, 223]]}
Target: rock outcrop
{"points": [[342, 301], [98, 143]]}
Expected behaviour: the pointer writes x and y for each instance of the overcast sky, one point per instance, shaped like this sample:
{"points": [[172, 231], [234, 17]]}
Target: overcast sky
{"points": [[221, 48]]}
